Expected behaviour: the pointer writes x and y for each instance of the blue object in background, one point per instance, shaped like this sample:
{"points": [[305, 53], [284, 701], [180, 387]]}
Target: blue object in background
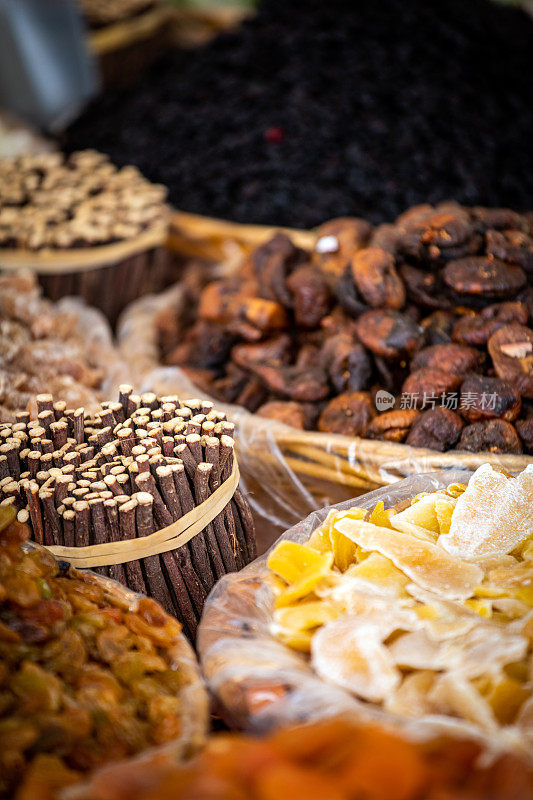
{"points": [[47, 74]]}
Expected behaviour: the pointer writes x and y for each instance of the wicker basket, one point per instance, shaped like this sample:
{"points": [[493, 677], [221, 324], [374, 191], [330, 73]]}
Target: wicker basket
{"points": [[108, 277], [196, 236]]}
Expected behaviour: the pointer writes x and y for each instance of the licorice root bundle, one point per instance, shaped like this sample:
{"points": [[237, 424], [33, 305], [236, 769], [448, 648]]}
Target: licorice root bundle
{"points": [[133, 468]]}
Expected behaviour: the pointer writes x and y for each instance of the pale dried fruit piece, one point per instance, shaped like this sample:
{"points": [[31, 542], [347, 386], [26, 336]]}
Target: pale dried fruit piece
{"points": [[493, 516], [411, 698], [453, 694], [420, 519], [416, 650], [350, 653], [378, 572], [444, 507], [424, 562]]}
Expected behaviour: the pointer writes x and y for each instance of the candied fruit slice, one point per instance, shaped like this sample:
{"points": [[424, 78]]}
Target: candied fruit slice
{"points": [[424, 562], [410, 699], [420, 519], [378, 571], [350, 653], [291, 560], [493, 515]]}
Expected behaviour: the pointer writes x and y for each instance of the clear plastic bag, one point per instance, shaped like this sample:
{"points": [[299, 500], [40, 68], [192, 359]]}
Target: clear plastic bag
{"points": [[258, 682], [285, 472]]}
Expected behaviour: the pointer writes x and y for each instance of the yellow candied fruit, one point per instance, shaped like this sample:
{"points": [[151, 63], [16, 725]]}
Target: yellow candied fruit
{"points": [[381, 572], [455, 489], [291, 560], [379, 516], [297, 640], [505, 697], [427, 611], [444, 510], [527, 549], [418, 497], [525, 594], [490, 591], [481, 607], [306, 616]]}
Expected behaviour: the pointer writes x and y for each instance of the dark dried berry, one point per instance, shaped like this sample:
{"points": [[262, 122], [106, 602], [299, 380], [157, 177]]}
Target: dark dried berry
{"points": [[388, 333], [483, 277], [425, 387], [348, 296], [483, 397], [374, 274], [511, 350], [438, 429], [252, 395], [288, 412], [347, 414], [492, 436], [524, 428], [454, 358], [385, 237], [498, 218], [272, 262], [312, 298], [392, 426]]}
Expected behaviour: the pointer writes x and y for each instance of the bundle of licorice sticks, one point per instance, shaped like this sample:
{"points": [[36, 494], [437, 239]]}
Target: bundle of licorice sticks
{"points": [[132, 468]]}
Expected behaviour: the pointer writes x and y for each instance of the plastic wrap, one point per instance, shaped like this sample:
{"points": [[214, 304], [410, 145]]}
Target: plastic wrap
{"points": [[63, 348], [285, 472]]}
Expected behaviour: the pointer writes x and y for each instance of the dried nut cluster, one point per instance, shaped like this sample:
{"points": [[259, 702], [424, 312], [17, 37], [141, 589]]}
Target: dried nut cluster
{"points": [[104, 12], [42, 348], [51, 200], [85, 678], [436, 309]]}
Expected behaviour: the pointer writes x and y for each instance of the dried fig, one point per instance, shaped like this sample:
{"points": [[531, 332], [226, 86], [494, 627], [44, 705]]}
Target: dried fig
{"points": [[374, 274], [252, 395], [204, 346], [476, 329], [337, 241], [288, 412], [388, 333], [347, 414], [524, 428], [511, 350], [348, 364], [454, 358], [392, 426], [249, 356], [424, 288], [312, 298], [483, 397], [498, 218], [438, 429], [493, 436], [438, 327], [347, 294], [484, 277], [272, 262], [513, 246], [425, 387], [305, 384], [219, 298], [385, 237]]}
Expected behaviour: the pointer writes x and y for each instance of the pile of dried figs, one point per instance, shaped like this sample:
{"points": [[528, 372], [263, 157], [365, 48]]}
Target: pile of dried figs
{"points": [[418, 331]]}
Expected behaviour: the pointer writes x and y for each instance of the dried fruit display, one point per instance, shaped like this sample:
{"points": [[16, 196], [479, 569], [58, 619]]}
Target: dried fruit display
{"points": [[435, 310], [65, 349], [412, 609], [425, 611], [135, 467], [335, 760], [90, 673]]}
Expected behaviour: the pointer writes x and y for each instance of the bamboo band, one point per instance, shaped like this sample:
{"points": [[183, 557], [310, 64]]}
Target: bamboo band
{"points": [[169, 538], [57, 262]]}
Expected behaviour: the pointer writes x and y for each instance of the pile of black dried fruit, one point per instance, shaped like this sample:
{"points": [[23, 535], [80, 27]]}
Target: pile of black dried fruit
{"points": [[436, 310], [317, 109]]}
